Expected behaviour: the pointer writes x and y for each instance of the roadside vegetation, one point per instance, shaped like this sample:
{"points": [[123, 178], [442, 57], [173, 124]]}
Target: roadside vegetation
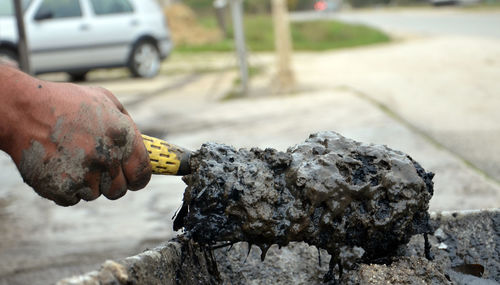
{"points": [[306, 36], [204, 7]]}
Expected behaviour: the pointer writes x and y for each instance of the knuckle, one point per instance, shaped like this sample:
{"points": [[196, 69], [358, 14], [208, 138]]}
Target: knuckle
{"points": [[66, 202], [105, 184], [139, 174], [87, 194], [113, 187], [117, 191], [61, 198]]}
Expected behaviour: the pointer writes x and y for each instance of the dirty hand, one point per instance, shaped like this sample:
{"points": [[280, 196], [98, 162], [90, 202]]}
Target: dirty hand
{"points": [[70, 142]]}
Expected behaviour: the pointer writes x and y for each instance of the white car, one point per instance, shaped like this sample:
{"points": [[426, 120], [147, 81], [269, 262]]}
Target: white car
{"points": [[76, 36]]}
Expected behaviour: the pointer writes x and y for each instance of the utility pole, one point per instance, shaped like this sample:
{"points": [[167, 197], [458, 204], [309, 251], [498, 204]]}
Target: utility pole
{"points": [[285, 79], [220, 14], [239, 40], [22, 45]]}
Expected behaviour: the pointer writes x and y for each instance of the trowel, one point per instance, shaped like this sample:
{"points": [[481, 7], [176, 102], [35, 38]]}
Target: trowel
{"points": [[167, 158]]}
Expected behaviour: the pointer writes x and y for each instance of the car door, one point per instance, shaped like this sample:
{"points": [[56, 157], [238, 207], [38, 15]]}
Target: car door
{"points": [[117, 28], [58, 36]]}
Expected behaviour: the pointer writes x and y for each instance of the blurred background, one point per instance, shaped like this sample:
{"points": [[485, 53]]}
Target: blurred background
{"points": [[420, 76]]}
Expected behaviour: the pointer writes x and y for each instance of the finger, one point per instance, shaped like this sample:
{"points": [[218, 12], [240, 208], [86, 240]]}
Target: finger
{"points": [[91, 192], [117, 186], [64, 201], [136, 167], [59, 195]]}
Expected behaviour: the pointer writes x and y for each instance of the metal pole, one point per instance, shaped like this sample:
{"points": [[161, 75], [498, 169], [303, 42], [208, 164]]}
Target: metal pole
{"points": [[239, 40], [22, 45], [220, 13], [285, 78]]}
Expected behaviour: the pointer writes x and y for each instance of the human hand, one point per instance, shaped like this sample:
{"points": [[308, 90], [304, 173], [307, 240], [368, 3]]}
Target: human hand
{"points": [[73, 142]]}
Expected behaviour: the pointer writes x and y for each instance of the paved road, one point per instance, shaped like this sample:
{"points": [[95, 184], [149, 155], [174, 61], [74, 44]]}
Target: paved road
{"points": [[424, 22]]}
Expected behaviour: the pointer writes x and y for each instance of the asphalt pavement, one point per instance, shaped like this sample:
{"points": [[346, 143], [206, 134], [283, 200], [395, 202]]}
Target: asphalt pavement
{"points": [[429, 21]]}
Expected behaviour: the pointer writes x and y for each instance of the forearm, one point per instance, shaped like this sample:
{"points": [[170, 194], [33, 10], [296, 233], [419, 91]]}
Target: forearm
{"points": [[12, 102], [19, 94]]}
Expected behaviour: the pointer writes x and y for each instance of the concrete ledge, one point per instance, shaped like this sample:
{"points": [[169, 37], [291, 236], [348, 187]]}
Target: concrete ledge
{"points": [[460, 238], [175, 262]]}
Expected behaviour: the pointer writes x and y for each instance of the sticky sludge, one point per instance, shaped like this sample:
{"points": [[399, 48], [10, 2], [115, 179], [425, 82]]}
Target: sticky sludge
{"points": [[329, 191]]}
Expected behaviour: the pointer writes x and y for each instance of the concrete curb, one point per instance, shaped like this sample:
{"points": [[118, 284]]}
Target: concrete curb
{"points": [[175, 262], [462, 237]]}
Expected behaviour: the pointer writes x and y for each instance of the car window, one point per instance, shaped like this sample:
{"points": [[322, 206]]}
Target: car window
{"points": [[105, 7], [7, 7], [52, 9]]}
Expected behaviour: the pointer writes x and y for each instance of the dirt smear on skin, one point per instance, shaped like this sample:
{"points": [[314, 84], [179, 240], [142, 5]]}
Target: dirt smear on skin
{"points": [[56, 176], [62, 176], [330, 192]]}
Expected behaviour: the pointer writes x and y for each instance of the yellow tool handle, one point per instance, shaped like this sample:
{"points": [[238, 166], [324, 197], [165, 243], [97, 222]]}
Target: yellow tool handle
{"points": [[166, 158]]}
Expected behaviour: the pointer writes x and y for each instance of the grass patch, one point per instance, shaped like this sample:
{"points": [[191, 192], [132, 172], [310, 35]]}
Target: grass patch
{"points": [[306, 36], [324, 35], [489, 6], [252, 72], [235, 92]]}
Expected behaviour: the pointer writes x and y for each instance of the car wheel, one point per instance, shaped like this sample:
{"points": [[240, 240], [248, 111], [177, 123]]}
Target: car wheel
{"points": [[9, 57], [145, 60], [78, 76]]}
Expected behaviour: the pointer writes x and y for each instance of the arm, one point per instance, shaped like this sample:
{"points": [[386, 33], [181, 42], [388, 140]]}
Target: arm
{"points": [[70, 142]]}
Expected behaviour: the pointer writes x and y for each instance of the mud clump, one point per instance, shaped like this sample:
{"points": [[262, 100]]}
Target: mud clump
{"points": [[331, 192]]}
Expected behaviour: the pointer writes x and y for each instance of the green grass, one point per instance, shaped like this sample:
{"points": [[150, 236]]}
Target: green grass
{"points": [[324, 35], [491, 5], [306, 36]]}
